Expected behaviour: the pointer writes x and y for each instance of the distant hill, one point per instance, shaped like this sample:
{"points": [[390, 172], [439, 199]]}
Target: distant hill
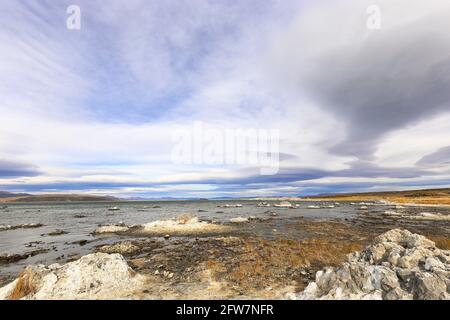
{"points": [[24, 197], [408, 194], [426, 196], [5, 194]]}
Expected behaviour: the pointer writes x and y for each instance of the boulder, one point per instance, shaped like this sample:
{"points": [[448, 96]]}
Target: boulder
{"points": [[94, 276], [399, 265]]}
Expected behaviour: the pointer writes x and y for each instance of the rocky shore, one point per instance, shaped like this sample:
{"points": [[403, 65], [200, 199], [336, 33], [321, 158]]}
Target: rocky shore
{"points": [[397, 265]]}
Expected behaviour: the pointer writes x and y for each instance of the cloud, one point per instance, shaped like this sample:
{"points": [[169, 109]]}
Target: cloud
{"points": [[439, 158], [9, 169], [95, 109], [374, 81]]}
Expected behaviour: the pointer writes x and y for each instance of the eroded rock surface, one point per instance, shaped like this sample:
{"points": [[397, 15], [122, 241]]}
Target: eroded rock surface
{"points": [[398, 265], [94, 276]]}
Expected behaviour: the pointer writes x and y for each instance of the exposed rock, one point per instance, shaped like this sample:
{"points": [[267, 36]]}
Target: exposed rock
{"points": [[21, 226], [114, 228], [182, 225], [238, 205], [56, 233], [95, 276], [80, 242], [238, 220], [263, 204], [125, 247], [398, 265], [10, 258], [283, 204]]}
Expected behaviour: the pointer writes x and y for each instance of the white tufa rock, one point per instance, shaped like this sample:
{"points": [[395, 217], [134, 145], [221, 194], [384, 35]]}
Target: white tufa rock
{"points": [[399, 265], [94, 276], [111, 229], [238, 220], [182, 225]]}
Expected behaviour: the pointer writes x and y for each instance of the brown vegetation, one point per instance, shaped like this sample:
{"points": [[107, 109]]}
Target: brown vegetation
{"points": [[24, 286], [278, 263], [427, 197]]}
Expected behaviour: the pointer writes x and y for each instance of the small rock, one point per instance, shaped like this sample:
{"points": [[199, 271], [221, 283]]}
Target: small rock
{"points": [[433, 263], [238, 220], [57, 233]]}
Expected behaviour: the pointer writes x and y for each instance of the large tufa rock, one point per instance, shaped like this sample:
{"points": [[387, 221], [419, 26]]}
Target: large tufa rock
{"points": [[94, 276], [182, 225], [399, 265]]}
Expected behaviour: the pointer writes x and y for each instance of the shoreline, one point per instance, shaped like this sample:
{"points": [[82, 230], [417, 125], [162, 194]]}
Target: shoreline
{"points": [[238, 252]]}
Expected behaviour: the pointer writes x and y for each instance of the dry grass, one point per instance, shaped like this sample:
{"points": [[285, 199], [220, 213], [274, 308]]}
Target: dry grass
{"points": [[24, 286], [426, 197], [437, 200], [442, 242], [278, 263]]}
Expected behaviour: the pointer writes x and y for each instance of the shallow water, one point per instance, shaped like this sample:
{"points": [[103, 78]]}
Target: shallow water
{"points": [[63, 216]]}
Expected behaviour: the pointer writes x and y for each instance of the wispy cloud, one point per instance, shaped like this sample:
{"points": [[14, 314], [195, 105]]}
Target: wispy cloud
{"points": [[9, 169], [95, 109]]}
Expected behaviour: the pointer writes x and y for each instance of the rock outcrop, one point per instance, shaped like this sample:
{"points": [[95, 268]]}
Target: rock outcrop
{"points": [[94, 276], [113, 228], [182, 225], [398, 265]]}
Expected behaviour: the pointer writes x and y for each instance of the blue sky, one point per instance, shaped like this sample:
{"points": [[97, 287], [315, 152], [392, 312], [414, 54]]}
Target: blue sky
{"points": [[94, 110]]}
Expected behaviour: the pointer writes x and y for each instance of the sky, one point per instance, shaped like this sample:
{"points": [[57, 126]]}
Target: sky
{"points": [[352, 106]]}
